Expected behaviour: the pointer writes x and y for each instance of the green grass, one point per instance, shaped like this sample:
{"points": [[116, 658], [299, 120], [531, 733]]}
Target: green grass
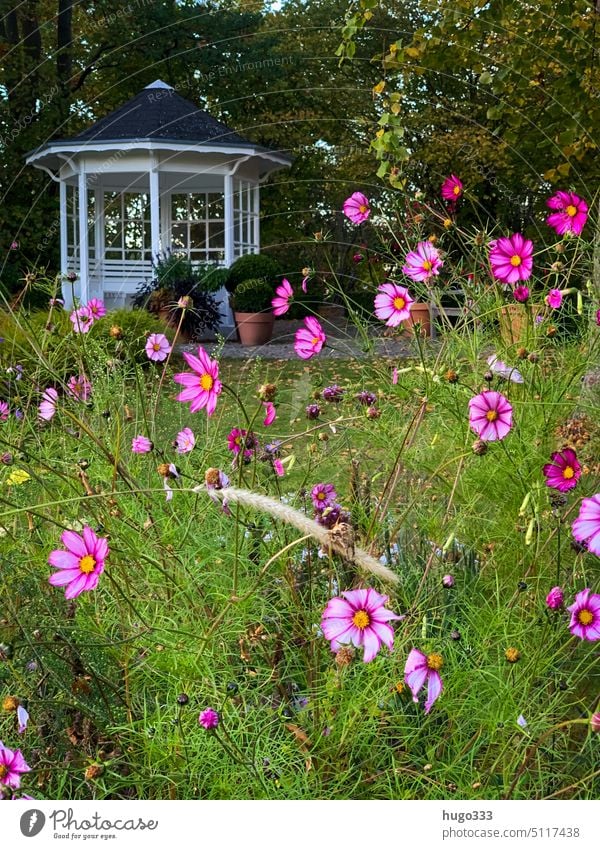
{"points": [[186, 604]]}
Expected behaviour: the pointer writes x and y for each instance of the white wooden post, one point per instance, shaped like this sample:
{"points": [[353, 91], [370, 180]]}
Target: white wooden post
{"points": [[228, 204], [256, 238], [67, 286], [84, 281], [154, 209], [99, 238]]}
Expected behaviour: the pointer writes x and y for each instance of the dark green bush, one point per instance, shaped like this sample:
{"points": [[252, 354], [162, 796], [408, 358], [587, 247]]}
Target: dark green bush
{"points": [[251, 267], [253, 296]]}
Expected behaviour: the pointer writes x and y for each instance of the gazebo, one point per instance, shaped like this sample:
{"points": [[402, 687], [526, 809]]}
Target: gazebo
{"points": [[156, 174]]}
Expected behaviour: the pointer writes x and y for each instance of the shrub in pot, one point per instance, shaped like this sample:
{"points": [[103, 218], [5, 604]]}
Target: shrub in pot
{"points": [[253, 267], [252, 311]]}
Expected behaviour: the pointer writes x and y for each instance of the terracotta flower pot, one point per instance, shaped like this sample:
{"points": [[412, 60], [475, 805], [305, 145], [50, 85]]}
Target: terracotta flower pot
{"points": [[419, 314], [254, 328], [516, 322]]}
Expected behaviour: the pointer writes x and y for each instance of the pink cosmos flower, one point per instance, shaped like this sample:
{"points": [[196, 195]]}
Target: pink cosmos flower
{"points": [[14, 245], [141, 445], [554, 298], [490, 415], [570, 213], [423, 263], [157, 347], [209, 719], [521, 294], [4, 411], [392, 304], [203, 386], [361, 619], [323, 495], [356, 208], [564, 471], [270, 413], [12, 767], [598, 318], [500, 368], [80, 566], [81, 319], [555, 598], [420, 669], [585, 616], [235, 439], [309, 339], [284, 294], [278, 468], [96, 309], [586, 527], [79, 387], [185, 441], [48, 406], [452, 188], [511, 258]]}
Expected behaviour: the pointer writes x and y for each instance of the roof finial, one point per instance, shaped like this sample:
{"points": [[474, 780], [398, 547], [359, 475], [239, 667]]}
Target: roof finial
{"points": [[160, 84]]}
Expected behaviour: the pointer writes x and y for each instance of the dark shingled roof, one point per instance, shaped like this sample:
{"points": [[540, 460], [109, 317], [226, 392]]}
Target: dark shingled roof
{"points": [[160, 113]]}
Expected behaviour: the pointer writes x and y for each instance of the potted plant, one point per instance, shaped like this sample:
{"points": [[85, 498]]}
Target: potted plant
{"points": [[251, 302]]}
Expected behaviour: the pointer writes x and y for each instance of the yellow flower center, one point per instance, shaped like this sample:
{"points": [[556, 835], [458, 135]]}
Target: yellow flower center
{"points": [[515, 260], [399, 303], [3, 771], [320, 496], [571, 210], [156, 347], [435, 661], [206, 382], [361, 619], [456, 190], [491, 415], [362, 208], [87, 564], [314, 340], [586, 617], [427, 265], [568, 472]]}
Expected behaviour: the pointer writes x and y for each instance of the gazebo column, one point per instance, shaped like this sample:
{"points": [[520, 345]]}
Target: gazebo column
{"points": [[67, 286], [228, 205], [154, 208], [84, 258]]}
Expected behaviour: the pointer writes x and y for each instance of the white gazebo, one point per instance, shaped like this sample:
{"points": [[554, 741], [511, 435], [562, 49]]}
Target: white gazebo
{"points": [[156, 174]]}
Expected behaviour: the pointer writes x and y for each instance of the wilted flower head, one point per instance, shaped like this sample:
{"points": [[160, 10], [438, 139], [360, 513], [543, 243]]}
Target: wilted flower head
{"points": [[554, 298], [141, 445], [521, 293], [270, 413], [367, 398], [215, 479], [555, 598], [313, 411], [500, 368], [332, 516], [267, 392], [424, 669], [448, 581], [333, 393], [361, 619]]}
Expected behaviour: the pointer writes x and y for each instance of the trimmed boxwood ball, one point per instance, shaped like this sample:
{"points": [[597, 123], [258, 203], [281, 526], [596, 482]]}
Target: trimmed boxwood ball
{"points": [[252, 296], [251, 267]]}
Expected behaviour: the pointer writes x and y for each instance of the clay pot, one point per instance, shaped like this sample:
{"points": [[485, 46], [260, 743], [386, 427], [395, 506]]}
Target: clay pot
{"points": [[516, 323], [254, 328], [420, 314]]}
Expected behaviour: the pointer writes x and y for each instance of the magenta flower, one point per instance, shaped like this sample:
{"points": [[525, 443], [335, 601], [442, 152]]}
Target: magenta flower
{"points": [[309, 339], [361, 619], [356, 208], [490, 415], [598, 318], [394, 376], [157, 347], [511, 258], [423, 263], [209, 719], [80, 566], [81, 319], [420, 669], [554, 298], [570, 213], [235, 439], [323, 495], [203, 386], [79, 387], [48, 406], [392, 304], [564, 471], [270, 413], [521, 294], [185, 441], [12, 767], [141, 445], [585, 616], [452, 188], [96, 309], [278, 468], [586, 527], [555, 598], [284, 294], [4, 411]]}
